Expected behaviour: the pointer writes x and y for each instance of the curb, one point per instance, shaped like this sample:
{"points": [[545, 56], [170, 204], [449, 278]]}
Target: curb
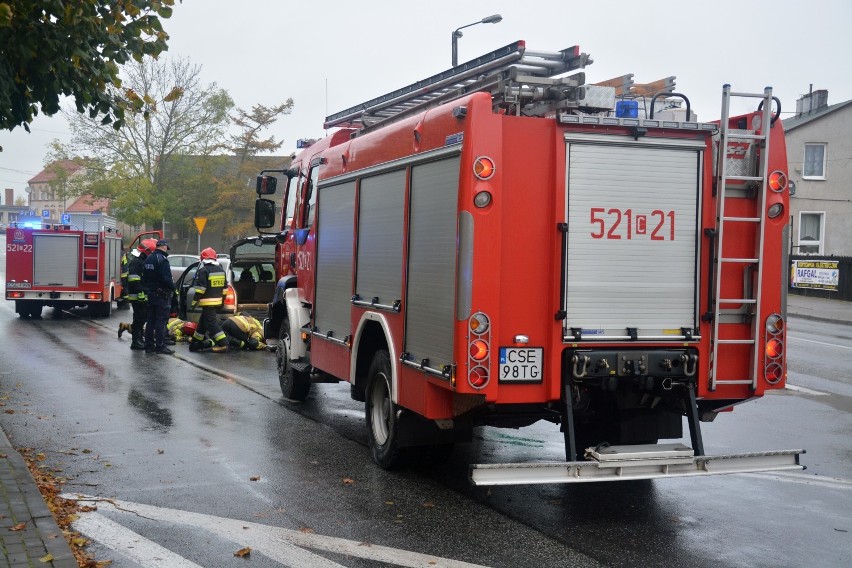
{"points": [[25, 502]]}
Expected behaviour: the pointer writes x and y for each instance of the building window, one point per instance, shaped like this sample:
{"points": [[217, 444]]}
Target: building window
{"points": [[814, 161], [811, 231]]}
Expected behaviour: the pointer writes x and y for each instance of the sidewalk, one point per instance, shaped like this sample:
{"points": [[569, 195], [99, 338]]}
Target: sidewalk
{"points": [[21, 502], [819, 309]]}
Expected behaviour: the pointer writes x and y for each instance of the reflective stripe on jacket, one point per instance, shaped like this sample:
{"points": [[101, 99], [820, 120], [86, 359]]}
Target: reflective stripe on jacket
{"points": [[209, 285], [135, 293]]}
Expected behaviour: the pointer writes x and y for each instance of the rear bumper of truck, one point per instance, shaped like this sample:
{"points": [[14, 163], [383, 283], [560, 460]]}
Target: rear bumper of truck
{"points": [[620, 463]]}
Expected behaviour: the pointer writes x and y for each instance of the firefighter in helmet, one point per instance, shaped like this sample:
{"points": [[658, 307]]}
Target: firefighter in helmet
{"points": [[244, 332], [209, 288], [136, 295]]}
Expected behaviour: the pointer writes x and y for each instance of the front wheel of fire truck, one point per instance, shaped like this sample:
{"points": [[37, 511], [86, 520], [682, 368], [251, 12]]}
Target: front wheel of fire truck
{"points": [[295, 384], [381, 413]]}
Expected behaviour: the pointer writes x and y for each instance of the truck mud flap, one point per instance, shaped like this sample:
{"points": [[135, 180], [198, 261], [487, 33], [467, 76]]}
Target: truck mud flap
{"points": [[620, 463]]}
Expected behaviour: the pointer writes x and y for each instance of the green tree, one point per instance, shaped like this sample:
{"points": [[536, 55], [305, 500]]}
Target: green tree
{"points": [[53, 48], [134, 167], [235, 195]]}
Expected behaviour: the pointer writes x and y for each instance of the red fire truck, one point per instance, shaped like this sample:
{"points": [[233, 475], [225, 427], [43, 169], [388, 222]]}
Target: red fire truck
{"points": [[503, 243], [64, 265]]}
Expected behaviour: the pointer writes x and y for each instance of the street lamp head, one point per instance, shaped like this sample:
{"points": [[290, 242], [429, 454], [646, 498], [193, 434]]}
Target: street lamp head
{"points": [[457, 33]]}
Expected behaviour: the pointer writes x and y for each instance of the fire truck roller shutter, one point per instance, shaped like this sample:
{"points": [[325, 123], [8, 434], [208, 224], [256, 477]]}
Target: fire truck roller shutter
{"points": [[632, 241], [56, 260], [113, 260], [335, 234], [381, 238], [431, 294]]}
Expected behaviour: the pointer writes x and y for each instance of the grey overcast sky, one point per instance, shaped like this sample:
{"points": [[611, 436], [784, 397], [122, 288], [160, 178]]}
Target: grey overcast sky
{"points": [[333, 54]]}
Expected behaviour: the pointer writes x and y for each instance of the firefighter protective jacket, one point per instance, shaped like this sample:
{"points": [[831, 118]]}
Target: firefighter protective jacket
{"points": [[249, 325], [209, 284], [135, 267], [157, 275]]}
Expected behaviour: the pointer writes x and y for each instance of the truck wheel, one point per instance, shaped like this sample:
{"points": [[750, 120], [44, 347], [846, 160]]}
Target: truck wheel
{"points": [[382, 420], [35, 310], [295, 385], [101, 309]]}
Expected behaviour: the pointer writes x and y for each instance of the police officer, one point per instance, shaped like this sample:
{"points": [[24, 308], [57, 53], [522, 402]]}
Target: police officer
{"points": [[244, 332], [209, 288], [159, 287], [136, 295]]}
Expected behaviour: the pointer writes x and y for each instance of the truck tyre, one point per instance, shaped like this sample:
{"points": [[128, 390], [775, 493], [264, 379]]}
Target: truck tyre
{"points": [[101, 309], [382, 419], [295, 385], [35, 310]]}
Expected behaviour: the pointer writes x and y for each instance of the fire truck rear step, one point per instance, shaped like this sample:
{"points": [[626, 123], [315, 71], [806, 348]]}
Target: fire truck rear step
{"points": [[616, 463]]}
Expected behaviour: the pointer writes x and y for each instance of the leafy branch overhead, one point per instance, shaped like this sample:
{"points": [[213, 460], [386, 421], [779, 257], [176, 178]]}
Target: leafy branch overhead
{"points": [[54, 48]]}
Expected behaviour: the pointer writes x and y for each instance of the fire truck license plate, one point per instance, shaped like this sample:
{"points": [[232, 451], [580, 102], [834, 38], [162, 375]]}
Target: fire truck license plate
{"points": [[520, 364]]}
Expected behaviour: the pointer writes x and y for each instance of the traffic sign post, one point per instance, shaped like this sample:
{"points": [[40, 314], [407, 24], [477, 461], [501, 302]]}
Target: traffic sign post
{"points": [[199, 224]]}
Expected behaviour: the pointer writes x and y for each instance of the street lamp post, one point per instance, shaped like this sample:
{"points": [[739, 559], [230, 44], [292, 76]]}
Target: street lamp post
{"points": [[457, 34]]}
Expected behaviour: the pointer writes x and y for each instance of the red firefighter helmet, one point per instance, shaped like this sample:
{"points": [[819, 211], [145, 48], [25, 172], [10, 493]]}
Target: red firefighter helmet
{"points": [[147, 245], [189, 328], [208, 254]]}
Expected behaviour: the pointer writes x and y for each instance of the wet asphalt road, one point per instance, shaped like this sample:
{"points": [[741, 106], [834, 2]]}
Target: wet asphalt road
{"points": [[190, 432]]}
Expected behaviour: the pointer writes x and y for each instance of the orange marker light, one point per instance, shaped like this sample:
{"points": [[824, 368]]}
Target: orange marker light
{"points": [[483, 167], [774, 348], [777, 181]]}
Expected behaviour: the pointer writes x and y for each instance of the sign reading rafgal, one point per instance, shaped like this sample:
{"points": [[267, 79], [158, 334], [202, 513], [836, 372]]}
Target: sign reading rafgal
{"points": [[821, 274]]}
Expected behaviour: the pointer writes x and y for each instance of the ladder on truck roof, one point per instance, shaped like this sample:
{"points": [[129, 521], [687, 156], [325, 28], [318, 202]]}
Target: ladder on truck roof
{"points": [[750, 301], [510, 74]]}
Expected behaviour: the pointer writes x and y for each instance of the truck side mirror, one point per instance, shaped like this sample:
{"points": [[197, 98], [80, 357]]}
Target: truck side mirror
{"points": [[266, 185], [264, 213]]}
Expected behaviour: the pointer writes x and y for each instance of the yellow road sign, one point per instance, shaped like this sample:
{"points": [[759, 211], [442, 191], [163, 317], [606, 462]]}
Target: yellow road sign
{"points": [[199, 223]]}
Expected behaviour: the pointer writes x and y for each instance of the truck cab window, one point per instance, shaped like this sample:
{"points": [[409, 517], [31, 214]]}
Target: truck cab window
{"points": [[292, 192], [310, 198]]}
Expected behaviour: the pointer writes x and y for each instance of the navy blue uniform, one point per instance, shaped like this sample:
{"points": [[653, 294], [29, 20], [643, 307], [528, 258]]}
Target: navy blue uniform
{"points": [[159, 287]]}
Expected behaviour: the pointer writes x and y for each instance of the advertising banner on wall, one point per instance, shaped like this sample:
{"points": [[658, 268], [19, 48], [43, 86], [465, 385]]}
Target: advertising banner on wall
{"points": [[818, 274]]}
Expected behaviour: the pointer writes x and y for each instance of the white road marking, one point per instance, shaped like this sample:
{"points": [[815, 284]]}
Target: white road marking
{"points": [[805, 479], [130, 544], [818, 342], [805, 390], [283, 545]]}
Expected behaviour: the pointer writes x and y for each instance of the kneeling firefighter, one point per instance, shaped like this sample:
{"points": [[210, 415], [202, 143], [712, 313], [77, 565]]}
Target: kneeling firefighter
{"points": [[209, 288], [244, 332]]}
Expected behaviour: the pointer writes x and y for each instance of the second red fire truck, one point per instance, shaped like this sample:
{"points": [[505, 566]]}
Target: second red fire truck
{"points": [[503, 243], [66, 265]]}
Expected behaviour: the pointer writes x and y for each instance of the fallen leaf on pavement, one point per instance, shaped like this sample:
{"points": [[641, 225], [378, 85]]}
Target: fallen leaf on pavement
{"points": [[254, 478], [243, 552], [348, 481], [306, 530], [19, 527], [46, 558]]}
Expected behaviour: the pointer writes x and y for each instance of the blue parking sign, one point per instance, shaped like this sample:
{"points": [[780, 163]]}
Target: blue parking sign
{"points": [[45, 213], [66, 218]]}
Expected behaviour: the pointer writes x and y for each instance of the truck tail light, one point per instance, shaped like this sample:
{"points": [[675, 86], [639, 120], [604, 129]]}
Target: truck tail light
{"points": [[773, 369], [478, 377], [93, 296], [478, 350], [14, 295], [230, 297]]}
